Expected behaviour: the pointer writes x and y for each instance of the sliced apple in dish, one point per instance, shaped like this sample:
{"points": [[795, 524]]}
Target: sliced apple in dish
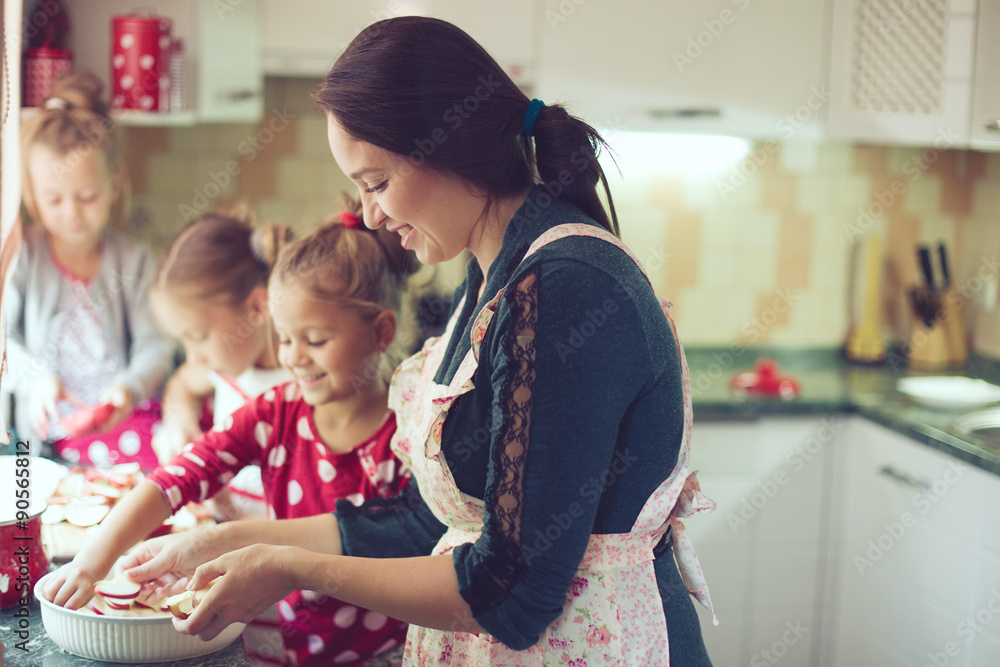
{"points": [[118, 589]]}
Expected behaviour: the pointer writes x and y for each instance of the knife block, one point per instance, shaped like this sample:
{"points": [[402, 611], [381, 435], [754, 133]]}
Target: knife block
{"points": [[943, 345]]}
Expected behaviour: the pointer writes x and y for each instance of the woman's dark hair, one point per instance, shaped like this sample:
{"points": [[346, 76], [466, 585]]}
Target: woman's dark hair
{"points": [[423, 89]]}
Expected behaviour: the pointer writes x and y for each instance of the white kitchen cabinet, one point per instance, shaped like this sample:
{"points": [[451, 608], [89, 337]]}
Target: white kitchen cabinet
{"points": [[702, 66], [901, 72], [304, 37], [763, 549], [906, 549], [984, 131], [223, 74]]}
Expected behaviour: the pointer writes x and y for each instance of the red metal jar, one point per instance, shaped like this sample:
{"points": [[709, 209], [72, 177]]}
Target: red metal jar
{"points": [[42, 66], [22, 556], [140, 63]]}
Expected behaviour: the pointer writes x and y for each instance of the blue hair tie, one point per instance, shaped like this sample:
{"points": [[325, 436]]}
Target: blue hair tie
{"points": [[530, 115]]}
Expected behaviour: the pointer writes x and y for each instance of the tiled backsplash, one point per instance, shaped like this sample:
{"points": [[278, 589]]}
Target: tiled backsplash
{"points": [[759, 253]]}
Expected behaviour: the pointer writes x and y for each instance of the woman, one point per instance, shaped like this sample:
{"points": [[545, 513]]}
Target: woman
{"points": [[546, 429]]}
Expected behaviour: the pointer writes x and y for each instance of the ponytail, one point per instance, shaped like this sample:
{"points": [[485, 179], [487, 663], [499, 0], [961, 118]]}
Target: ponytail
{"points": [[221, 257], [567, 149], [344, 262]]}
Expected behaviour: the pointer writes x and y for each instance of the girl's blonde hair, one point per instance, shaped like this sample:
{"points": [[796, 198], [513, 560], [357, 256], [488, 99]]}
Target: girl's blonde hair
{"points": [[73, 122], [221, 257], [344, 263]]}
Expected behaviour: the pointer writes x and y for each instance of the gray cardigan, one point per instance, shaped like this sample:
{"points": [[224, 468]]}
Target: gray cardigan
{"points": [[121, 287]]}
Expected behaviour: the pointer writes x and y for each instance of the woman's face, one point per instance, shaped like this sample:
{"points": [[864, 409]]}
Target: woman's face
{"points": [[435, 214]]}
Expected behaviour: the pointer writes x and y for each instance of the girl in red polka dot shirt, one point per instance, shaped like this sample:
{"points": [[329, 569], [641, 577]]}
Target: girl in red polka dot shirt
{"points": [[322, 437]]}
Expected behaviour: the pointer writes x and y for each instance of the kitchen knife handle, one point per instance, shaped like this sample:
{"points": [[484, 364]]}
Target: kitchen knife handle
{"points": [[945, 272], [925, 265]]}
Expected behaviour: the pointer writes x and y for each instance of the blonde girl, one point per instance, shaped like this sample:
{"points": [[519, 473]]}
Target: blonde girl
{"points": [[80, 333], [321, 438]]}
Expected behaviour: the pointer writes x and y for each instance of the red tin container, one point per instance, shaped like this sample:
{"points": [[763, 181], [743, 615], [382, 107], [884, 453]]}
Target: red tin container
{"points": [[22, 557], [42, 66], [140, 62]]}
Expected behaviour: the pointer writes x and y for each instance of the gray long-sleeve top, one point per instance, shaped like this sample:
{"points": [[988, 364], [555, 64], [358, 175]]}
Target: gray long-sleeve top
{"points": [[119, 290]]}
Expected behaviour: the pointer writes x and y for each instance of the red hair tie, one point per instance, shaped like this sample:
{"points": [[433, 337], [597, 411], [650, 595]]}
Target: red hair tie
{"points": [[350, 220]]}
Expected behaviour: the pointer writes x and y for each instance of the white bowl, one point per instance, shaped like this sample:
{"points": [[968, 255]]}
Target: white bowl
{"points": [[123, 639], [950, 392]]}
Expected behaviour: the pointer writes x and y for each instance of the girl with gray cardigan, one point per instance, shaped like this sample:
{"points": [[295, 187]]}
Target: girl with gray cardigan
{"points": [[82, 345]]}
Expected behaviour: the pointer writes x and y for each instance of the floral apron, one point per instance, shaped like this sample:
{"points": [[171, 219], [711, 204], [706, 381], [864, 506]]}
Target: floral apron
{"points": [[613, 613]]}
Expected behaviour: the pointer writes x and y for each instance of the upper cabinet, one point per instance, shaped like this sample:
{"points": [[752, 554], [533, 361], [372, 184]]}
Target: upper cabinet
{"points": [[901, 72], [304, 38], [984, 130], [222, 73], [709, 66]]}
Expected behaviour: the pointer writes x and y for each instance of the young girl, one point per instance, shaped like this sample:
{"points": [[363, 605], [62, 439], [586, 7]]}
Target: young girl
{"points": [[79, 330], [323, 437], [210, 292]]}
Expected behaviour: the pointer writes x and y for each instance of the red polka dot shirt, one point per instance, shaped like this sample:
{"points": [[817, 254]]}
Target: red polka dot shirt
{"points": [[302, 478]]}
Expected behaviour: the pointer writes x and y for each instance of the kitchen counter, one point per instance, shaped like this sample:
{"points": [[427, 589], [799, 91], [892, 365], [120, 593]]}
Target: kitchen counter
{"points": [[43, 652], [831, 384]]}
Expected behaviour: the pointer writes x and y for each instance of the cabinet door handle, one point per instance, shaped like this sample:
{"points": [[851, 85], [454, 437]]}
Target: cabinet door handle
{"points": [[993, 125], [904, 477], [240, 95]]}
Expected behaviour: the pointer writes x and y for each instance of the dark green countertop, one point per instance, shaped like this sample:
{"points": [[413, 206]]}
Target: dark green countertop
{"points": [[43, 652], [830, 384]]}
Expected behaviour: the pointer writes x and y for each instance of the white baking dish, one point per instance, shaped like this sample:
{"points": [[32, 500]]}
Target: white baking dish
{"points": [[124, 639]]}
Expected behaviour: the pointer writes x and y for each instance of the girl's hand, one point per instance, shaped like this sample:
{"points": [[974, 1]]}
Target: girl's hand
{"points": [[171, 438], [42, 410], [171, 557], [250, 581], [72, 585], [119, 396]]}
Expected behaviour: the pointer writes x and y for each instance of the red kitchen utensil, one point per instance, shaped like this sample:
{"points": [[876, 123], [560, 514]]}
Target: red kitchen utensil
{"points": [[765, 381], [86, 419]]}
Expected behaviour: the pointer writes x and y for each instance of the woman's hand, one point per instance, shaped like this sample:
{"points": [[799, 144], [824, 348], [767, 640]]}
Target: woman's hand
{"points": [[120, 397], [72, 585], [42, 404], [250, 580], [171, 557]]}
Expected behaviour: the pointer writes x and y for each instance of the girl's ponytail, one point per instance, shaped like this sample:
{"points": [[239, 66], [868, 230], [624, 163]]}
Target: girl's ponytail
{"points": [[80, 90], [343, 261], [219, 257], [402, 263], [267, 242]]}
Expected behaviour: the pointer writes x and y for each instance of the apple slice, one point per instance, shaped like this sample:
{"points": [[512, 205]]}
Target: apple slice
{"points": [[182, 605], [120, 606], [84, 515], [93, 608], [54, 514], [106, 490], [119, 588]]}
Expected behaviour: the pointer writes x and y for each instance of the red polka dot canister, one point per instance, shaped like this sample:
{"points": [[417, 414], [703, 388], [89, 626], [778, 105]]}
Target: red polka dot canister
{"points": [[42, 66], [140, 62]]}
